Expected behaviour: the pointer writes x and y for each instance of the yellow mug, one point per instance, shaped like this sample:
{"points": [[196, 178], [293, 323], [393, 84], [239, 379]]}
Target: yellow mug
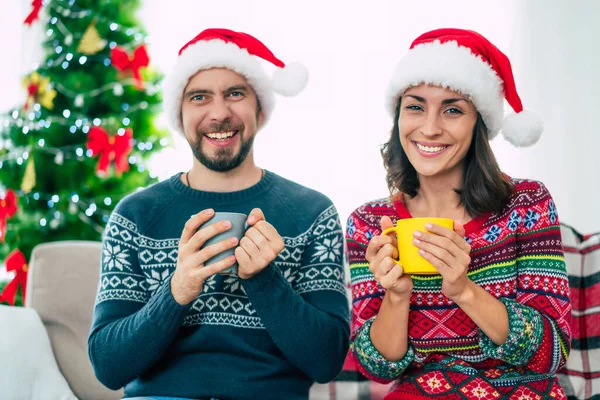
{"points": [[410, 259]]}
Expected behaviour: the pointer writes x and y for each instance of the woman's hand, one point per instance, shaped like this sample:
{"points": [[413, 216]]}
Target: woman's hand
{"points": [[448, 252], [381, 252]]}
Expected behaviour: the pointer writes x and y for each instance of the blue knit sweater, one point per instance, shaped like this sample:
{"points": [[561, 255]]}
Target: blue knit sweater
{"points": [[270, 336]]}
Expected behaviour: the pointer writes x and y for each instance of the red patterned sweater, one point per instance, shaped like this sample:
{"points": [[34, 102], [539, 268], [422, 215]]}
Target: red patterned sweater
{"points": [[517, 256]]}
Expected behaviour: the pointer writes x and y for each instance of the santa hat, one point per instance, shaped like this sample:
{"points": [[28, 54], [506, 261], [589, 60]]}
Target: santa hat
{"points": [[239, 52], [468, 63]]}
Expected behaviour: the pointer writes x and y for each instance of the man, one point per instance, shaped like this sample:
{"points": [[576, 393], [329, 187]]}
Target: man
{"points": [[166, 326]]}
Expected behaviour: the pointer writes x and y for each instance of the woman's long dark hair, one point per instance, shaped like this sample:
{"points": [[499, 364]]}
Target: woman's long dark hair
{"points": [[485, 188]]}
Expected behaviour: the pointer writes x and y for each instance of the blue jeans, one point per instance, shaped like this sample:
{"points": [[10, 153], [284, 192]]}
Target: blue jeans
{"points": [[162, 398]]}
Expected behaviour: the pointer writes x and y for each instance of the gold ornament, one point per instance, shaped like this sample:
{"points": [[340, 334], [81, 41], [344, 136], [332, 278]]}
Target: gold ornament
{"points": [[91, 42], [39, 90], [28, 182]]}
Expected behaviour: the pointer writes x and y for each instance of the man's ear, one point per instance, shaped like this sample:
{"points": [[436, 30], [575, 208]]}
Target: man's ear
{"points": [[260, 118]]}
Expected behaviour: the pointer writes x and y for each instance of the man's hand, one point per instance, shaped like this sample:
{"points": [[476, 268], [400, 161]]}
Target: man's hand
{"points": [[259, 247], [190, 272]]}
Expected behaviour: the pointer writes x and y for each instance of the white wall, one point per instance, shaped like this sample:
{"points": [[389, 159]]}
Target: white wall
{"points": [[556, 62], [328, 137], [14, 39]]}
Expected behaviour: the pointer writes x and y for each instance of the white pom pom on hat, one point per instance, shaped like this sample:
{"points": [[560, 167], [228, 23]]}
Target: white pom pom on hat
{"points": [[467, 62], [238, 51], [290, 80], [523, 129]]}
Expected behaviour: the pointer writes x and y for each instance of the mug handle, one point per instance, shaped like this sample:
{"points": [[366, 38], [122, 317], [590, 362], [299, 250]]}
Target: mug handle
{"points": [[387, 232]]}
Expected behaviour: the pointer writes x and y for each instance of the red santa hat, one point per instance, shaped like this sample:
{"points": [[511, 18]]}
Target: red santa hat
{"points": [[468, 63], [239, 52]]}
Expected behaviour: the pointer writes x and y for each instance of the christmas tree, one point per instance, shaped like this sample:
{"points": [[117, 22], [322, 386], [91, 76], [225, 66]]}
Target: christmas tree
{"points": [[82, 139]]}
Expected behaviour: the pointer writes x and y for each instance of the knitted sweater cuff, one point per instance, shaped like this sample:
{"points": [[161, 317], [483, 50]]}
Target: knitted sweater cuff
{"points": [[373, 361], [163, 310], [526, 330]]}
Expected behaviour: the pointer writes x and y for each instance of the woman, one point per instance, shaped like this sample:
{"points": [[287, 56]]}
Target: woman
{"points": [[495, 322]]}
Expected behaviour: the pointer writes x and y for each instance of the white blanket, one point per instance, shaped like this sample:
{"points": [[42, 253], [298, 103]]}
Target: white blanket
{"points": [[28, 369]]}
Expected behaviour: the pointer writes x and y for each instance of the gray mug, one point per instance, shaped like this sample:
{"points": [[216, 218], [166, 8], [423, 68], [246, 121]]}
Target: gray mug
{"points": [[238, 230]]}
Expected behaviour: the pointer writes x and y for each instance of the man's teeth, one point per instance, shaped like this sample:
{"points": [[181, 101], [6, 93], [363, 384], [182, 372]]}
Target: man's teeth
{"points": [[430, 149], [221, 135]]}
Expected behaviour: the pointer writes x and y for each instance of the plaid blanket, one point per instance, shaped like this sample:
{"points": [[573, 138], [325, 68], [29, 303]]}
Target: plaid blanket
{"points": [[581, 376]]}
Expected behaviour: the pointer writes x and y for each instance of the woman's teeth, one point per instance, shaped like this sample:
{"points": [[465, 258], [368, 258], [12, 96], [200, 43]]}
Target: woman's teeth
{"points": [[428, 149]]}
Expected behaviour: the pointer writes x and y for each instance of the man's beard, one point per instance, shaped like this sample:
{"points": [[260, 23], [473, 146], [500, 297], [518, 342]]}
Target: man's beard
{"points": [[224, 159]]}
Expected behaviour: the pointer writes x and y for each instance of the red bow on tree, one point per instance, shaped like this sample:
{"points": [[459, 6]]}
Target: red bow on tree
{"points": [[123, 62], [35, 12], [15, 262], [8, 208], [110, 148]]}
